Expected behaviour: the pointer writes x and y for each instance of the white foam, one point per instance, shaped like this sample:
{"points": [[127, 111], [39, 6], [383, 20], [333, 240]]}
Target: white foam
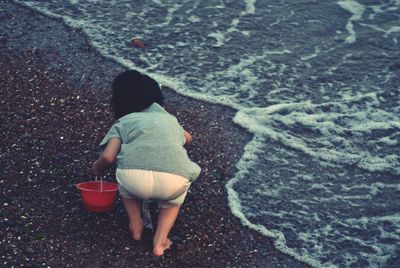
{"points": [[384, 7], [194, 19], [392, 29], [329, 127], [172, 82], [357, 10], [250, 151], [233, 26], [311, 56], [170, 15], [382, 250], [389, 141], [250, 7], [219, 37], [158, 2], [283, 18]]}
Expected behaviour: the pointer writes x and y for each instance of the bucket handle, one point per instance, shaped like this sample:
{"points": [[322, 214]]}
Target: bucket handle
{"points": [[101, 183]]}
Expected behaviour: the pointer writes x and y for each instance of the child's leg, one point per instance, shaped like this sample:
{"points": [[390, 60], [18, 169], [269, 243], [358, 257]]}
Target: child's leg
{"points": [[133, 208], [166, 219]]}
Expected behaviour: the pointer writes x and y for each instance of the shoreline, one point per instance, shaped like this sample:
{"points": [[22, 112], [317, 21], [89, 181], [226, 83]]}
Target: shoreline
{"points": [[55, 89]]}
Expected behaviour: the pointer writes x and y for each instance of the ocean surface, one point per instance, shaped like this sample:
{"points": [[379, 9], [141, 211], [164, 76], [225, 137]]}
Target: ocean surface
{"points": [[316, 82]]}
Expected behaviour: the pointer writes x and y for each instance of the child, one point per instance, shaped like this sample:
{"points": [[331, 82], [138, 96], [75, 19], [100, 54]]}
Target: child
{"points": [[147, 143]]}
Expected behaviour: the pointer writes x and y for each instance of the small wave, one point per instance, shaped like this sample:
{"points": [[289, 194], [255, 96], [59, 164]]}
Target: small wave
{"points": [[343, 131], [235, 203], [357, 11]]}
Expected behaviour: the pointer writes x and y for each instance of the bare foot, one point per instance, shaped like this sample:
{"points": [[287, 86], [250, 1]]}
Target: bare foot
{"points": [[158, 250], [136, 232]]}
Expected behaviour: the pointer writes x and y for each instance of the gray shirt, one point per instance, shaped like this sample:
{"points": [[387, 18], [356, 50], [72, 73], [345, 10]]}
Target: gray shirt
{"points": [[152, 140]]}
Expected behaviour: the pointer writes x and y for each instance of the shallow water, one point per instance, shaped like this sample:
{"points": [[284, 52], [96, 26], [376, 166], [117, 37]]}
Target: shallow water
{"points": [[316, 82]]}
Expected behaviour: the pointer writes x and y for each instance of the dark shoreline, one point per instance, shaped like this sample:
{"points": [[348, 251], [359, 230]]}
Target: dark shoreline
{"points": [[54, 111]]}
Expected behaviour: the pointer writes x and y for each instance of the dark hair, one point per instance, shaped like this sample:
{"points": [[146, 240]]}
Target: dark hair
{"points": [[134, 92]]}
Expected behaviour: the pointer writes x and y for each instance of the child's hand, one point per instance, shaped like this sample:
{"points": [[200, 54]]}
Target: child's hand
{"points": [[188, 137], [107, 157], [97, 171]]}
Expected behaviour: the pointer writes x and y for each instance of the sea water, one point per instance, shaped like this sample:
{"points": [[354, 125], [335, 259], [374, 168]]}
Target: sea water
{"points": [[316, 82]]}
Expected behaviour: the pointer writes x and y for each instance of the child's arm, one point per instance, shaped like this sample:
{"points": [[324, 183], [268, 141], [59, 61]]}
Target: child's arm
{"points": [[188, 137], [107, 157]]}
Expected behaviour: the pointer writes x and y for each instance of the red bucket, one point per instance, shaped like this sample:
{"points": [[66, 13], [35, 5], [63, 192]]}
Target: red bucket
{"points": [[98, 196]]}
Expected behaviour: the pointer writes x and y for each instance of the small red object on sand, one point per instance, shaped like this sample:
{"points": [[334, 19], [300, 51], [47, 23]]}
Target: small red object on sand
{"points": [[98, 196], [138, 42]]}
